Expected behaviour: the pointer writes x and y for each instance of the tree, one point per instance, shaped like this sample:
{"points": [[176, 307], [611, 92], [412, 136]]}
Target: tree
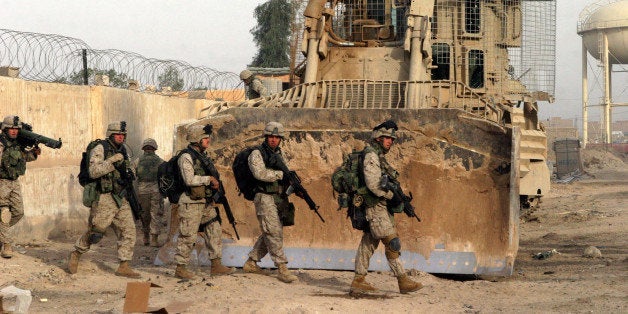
{"points": [[171, 77], [272, 34]]}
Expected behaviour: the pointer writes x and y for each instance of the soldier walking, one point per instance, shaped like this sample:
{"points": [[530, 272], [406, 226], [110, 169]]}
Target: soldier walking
{"points": [[196, 210], [269, 198], [153, 220], [108, 206], [380, 219], [13, 159]]}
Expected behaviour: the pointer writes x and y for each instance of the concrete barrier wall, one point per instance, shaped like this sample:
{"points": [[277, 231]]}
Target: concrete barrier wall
{"points": [[78, 115]]}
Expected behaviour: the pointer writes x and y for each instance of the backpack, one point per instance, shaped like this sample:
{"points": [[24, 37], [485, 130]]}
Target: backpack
{"points": [[347, 182], [244, 178], [169, 179], [83, 175]]}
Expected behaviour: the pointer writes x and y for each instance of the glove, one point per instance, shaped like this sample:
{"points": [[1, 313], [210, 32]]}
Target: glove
{"points": [[37, 151], [395, 200], [115, 158]]}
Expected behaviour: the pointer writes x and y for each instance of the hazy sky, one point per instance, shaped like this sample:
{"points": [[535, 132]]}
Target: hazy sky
{"points": [[215, 34]]}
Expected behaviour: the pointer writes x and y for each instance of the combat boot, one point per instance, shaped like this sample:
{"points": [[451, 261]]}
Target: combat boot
{"points": [[407, 285], [284, 274], [125, 270], [250, 266], [360, 285], [154, 240], [218, 269], [182, 272], [73, 262], [7, 251]]}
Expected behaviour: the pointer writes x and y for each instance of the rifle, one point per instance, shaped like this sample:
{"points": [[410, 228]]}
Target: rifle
{"points": [[27, 137], [126, 180], [297, 187], [219, 196], [389, 184]]}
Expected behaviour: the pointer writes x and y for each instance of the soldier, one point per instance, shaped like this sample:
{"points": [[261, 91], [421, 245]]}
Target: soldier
{"points": [[13, 159], [152, 202], [108, 207], [270, 197], [381, 222], [256, 87], [196, 213]]}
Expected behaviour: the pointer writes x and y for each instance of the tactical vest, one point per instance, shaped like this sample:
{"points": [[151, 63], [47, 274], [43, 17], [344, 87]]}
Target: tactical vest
{"points": [[147, 167], [268, 187], [370, 199], [13, 163], [199, 170], [110, 183]]}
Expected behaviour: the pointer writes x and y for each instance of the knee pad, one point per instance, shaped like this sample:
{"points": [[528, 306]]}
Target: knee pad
{"points": [[95, 236], [5, 214], [393, 246]]}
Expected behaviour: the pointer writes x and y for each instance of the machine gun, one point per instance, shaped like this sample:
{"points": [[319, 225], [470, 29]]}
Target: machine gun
{"points": [[296, 186], [126, 180], [28, 138], [219, 196], [389, 184]]}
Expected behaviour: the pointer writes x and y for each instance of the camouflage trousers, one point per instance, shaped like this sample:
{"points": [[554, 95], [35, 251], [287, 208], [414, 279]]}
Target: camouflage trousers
{"points": [[191, 216], [381, 226], [271, 240], [153, 220], [11, 198], [105, 213]]}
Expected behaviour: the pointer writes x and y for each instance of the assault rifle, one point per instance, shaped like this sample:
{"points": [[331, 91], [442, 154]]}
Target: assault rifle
{"points": [[296, 186], [389, 184], [28, 138], [126, 180], [219, 197]]}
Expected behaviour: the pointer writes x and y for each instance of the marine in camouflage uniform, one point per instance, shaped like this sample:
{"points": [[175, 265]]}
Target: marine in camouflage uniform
{"points": [[108, 206], [256, 87], [153, 220], [380, 219], [196, 214], [13, 159], [268, 199]]}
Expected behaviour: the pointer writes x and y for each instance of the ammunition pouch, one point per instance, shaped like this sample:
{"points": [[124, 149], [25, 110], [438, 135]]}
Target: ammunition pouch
{"points": [[286, 213], [197, 192], [90, 194], [357, 214]]}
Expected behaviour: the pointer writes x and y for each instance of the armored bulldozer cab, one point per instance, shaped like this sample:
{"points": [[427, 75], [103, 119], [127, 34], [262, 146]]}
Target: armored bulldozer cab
{"points": [[470, 148]]}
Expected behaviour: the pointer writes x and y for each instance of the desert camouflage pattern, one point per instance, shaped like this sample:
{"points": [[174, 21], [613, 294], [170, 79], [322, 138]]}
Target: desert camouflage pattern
{"points": [[257, 89], [381, 222], [271, 239], [153, 220], [191, 216], [11, 198], [105, 213], [186, 164]]}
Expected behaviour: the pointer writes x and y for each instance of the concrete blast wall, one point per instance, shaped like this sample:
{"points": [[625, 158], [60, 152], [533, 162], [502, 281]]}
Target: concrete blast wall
{"points": [[78, 114]]}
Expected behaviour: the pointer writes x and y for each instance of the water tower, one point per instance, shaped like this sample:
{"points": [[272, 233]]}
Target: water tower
{"points": [[604, 30]]}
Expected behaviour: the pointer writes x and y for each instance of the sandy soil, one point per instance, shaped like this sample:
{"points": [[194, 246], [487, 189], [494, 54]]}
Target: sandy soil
{"points": [[591, 211]]}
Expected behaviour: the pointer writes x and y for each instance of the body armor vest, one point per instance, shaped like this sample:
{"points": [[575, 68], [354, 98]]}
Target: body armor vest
{"points": [[268, 187], [110, 183], [371, 199], [147, 167], [13, 163]]}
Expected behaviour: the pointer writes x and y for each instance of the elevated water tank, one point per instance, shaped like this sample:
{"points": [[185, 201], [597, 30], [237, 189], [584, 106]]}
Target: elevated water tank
{"points": [[610, 18]]}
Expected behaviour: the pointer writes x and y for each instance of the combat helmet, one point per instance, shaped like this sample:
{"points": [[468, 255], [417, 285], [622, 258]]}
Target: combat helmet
{"points": [[245, 75], [274, 128], [150, 143], [11, 122], [198, 132], [118, 127], [387, 128]]}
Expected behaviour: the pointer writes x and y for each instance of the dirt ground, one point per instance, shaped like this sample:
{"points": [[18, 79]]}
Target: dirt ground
{"points": [[590, 211]]}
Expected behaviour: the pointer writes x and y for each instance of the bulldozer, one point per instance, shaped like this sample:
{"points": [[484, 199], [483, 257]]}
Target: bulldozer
{"points": [[470, 147]]}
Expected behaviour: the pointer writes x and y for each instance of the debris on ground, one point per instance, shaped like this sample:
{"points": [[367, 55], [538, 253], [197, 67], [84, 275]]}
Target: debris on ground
{"points": [[545, 255]]}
